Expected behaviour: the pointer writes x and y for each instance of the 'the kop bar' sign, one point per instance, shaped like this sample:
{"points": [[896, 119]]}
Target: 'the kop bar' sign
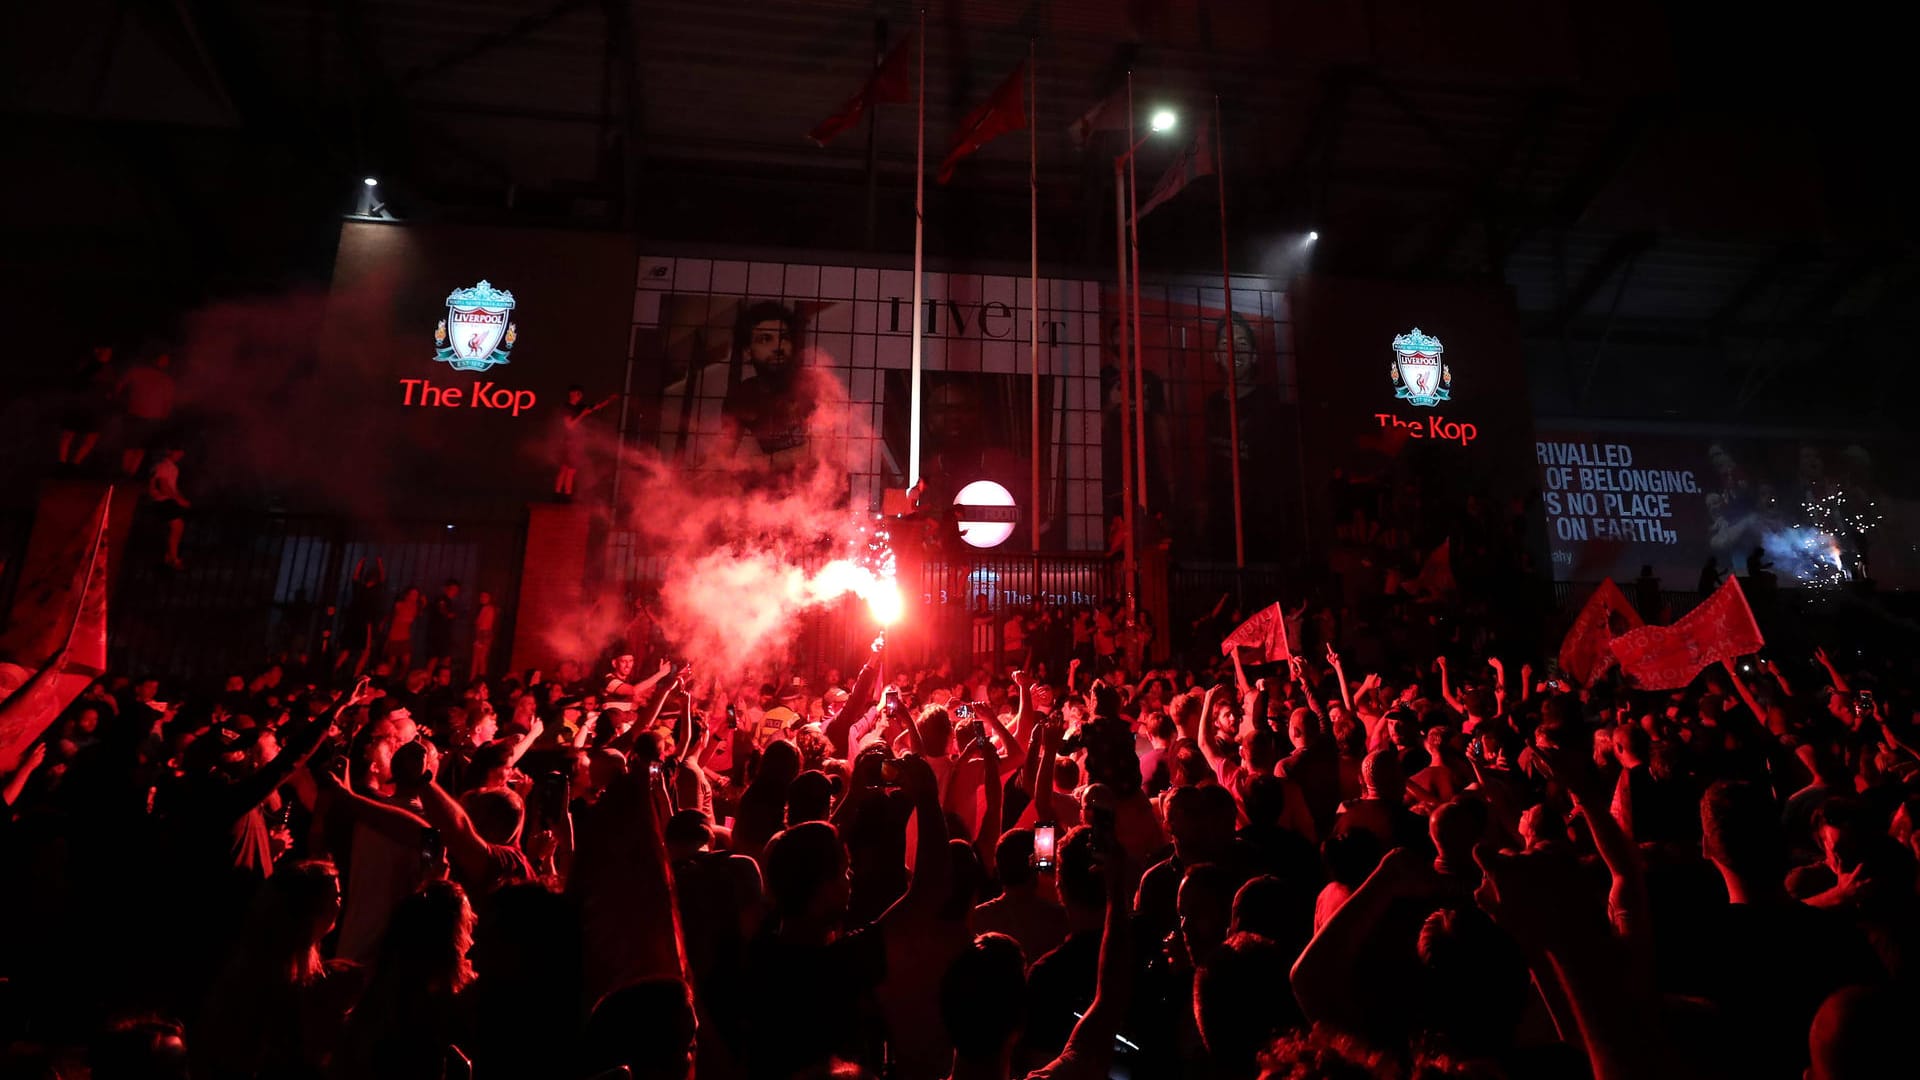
{"points": [[986, 514]]}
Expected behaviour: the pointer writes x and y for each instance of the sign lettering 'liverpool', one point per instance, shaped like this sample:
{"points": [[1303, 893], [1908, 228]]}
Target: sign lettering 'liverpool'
{"points": [[478, 331], [1420, 373]]}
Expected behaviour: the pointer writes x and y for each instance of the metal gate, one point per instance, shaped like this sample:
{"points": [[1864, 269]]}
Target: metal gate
{"points": [[260, 586]]}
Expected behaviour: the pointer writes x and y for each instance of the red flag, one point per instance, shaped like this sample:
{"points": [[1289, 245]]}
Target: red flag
{"points": [[891, 83], [1436, 574], [1193, 163], [1584, 653], [1266, 633], [1668, 657], [1107, 114], [57, 640], [1005, 111]]}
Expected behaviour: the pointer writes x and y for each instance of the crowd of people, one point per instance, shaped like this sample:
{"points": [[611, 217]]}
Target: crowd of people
{"points": [[1409, 849]]}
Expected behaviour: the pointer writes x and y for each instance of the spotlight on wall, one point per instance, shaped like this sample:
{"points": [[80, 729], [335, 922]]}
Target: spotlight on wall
{"points": [[369, 205], [1163, 120]]}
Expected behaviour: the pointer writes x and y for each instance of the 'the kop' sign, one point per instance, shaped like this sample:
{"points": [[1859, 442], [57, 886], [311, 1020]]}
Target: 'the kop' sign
{"points": [[478, 333]]}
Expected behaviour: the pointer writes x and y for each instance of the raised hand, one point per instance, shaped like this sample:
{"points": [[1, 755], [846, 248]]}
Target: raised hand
{"points": [[541, 845], [1333, 657], [1050, 735]]}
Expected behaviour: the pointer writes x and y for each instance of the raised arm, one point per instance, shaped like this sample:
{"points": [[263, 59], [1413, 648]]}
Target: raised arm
{"points": [[1499, 682], [1043, 779], [912, 726], [1536, 898], [1329, 981], [645, 686], [1302, 676], [1089, 1049], [933, 870], [1333, 658], [17, 780], [1839, 680], [859, 700], [1022, 701], [987, 838], [1205, 738], [238, 798], [1454, 702], [626, 737], [1746, 695], [525, 742], [1773, 669], [1015, 754], [624, 888], [1026, 780], [467, 850], [336, 800]]}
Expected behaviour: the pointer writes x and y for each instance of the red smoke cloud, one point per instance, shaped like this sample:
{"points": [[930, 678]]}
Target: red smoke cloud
{"points": [[744, 550]]}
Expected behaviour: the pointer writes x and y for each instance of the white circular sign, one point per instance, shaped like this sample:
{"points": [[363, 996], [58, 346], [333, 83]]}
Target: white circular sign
{"points": [[990, 533]]}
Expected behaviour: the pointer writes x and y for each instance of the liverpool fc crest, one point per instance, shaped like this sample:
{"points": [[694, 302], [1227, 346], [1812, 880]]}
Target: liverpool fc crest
{"points": [[1420, 374], [478, 331]]}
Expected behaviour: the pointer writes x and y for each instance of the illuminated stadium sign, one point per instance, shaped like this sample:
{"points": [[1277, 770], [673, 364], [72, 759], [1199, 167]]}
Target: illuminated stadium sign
{"points": [[986, 513], [478, 331], [477, 334], [1420, 374]]}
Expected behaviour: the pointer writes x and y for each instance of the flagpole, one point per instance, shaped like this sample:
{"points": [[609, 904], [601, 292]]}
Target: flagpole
{"points": [[1139, 381], [873, 131], [1126, 405], [919, 256], [1033, 271], [1233, 344]]}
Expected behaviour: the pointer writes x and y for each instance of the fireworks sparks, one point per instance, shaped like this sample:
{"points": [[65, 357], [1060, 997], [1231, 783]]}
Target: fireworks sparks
{"points": [[870, 575], [1839, 513]]}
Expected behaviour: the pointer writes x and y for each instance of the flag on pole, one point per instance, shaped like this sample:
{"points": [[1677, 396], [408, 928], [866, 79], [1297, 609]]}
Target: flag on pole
{"points": [[1107, 114], [1436, 574], [1586, 653], [891, 83], [1265, 633], [1668, 657], [1193, 163], [56, 642], [1005, 111]]}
